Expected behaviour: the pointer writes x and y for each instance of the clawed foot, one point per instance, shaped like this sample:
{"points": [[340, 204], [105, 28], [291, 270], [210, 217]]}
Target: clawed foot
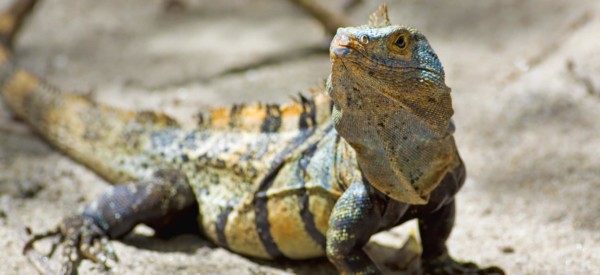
{"points": [[81, 239], [446, 265]]}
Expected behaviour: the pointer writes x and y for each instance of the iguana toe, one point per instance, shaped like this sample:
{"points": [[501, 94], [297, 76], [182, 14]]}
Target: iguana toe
{"points": [[446, 265], [81, 239]]}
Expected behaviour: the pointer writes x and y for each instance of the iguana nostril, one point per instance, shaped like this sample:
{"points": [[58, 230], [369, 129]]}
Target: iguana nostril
{"points": [[344, 40]]}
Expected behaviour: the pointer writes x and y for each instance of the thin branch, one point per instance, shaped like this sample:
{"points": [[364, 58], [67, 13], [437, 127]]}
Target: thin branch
{"points": [[330, 20]]}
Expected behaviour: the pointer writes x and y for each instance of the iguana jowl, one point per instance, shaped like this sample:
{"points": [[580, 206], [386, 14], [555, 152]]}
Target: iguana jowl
{"points": [[294, 181]]}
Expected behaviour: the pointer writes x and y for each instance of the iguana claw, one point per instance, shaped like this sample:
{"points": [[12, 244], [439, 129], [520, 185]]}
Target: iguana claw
{"points": [[446, 265], [82, 239]]}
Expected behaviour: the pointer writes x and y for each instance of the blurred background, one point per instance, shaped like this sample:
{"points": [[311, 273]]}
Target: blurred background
{"points": [[525, 77]]}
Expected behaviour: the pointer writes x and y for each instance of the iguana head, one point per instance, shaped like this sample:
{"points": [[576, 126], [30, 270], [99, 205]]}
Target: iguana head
{"points": [[392, 106]]}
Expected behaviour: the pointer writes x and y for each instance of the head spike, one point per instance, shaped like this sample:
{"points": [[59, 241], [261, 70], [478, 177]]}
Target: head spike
{"points": [[380, 17]]}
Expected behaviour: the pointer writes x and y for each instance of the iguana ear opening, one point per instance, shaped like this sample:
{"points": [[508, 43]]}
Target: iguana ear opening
{"points": [[380, 17]]}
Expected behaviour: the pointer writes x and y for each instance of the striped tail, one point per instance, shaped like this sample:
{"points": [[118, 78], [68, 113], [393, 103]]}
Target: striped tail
{"points": [[89, 132]]}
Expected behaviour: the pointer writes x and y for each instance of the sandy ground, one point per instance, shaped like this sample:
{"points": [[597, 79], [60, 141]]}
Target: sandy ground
{"points": [[526, 88]]}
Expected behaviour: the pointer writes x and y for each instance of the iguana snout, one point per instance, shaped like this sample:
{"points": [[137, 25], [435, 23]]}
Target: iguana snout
{"points": [[343, 44]]}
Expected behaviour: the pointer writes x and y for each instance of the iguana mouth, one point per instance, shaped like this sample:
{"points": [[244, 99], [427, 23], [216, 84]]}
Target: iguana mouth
{"points": [[342, 45], [339, 51]]}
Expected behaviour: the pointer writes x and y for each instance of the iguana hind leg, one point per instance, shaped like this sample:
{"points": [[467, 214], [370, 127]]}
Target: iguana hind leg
{"points": [[163, 203]]}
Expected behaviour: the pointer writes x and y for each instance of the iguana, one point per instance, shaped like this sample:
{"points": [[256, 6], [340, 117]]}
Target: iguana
{"points": [[313, 178]]}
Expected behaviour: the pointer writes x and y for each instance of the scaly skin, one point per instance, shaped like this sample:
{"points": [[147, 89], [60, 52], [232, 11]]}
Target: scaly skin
{"points": [[269, 181]]}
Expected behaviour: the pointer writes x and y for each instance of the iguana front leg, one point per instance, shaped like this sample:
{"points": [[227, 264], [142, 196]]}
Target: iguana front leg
{"points": [[161, 203], [436, 221], [435, 229], [355, 217]]}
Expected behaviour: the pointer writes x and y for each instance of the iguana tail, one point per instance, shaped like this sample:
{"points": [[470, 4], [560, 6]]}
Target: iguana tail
{"points": [[91, 133]]}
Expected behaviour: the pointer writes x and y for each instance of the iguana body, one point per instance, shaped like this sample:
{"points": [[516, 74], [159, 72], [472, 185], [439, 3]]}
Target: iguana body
{"points": [[229, 168], [231, 162], [268, 181]]}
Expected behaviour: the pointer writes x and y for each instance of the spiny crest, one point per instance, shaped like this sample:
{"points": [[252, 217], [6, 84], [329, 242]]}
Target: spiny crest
{"points": [[380, 17], [302, 113]]}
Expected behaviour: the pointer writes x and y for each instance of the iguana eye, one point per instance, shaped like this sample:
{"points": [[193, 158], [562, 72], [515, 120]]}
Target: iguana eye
{"points": [[364, 39], [400, 42]]}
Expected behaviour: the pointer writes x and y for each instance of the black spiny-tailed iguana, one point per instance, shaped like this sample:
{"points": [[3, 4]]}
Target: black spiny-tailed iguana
{"points": [[308, 179]]}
